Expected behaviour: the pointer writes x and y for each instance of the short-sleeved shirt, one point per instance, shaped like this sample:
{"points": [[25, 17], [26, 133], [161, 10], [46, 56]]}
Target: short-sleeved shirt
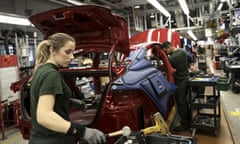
{"points": [[178, 59], [48, 81]]}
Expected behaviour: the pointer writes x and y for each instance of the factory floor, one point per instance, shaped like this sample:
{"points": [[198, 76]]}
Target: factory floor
{"points": [[228, 133]]}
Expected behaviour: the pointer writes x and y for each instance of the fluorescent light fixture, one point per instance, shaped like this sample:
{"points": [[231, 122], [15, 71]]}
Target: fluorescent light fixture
{"points": [[152, 16], [220, 6], [75, 2], [184, 6], [222, 26], [137, 7], [192, 35], [61, 2], [234, 23], [158, 6], [14, 19], [208, 32]]}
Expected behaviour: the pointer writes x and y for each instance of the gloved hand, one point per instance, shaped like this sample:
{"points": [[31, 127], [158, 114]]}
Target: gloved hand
{"points": [[94, 136]]}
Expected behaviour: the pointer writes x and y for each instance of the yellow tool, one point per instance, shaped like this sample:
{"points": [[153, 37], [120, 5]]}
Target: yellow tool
{"points": [[159, 127], [163, 133]]}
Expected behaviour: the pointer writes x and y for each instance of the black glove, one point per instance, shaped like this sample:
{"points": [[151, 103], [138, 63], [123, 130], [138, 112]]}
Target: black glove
{"points": [[76, 130], [94, 136]]}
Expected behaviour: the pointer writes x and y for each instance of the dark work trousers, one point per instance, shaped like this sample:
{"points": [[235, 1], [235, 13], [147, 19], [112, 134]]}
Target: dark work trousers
{"points": [[58, 140], [181, 99]]}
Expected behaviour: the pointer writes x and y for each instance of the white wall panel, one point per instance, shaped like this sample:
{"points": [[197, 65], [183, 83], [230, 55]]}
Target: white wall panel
{"points": [[8, 75]]}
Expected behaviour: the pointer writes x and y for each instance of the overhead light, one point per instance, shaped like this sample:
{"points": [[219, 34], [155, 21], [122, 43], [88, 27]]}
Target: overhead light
{"points": [[74, 2], [222, 26], [187, 28], [60, 2], [14, 19], [152, 16], [158, 6], [137, 7], [192, 35], [184, 6], [220, 6], [208, 32]]}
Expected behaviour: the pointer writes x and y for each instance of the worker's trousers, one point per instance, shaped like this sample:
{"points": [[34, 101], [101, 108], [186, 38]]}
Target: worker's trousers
{"points": [[181, 99]]}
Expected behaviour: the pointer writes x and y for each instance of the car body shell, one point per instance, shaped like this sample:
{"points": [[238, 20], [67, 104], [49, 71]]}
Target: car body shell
{"points": [[97, 30]]}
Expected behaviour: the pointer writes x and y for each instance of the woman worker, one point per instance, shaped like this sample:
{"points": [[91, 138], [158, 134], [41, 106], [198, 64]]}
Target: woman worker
{"points": [[50, 96]]}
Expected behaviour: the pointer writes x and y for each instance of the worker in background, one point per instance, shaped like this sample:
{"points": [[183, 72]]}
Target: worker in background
{"points": [[178, 59], [50, 96]]}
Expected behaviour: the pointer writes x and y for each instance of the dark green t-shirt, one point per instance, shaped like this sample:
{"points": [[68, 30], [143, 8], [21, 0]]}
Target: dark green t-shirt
{"points": [[178, 59], [47, 80]]}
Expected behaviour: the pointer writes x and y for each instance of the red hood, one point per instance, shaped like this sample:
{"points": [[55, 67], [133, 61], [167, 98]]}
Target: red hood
{"points": [[94, 28]]}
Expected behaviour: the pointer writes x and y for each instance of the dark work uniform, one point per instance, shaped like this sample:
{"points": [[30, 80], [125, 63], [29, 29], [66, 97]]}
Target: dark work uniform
{"points": [[47, 80], [178, 59]]}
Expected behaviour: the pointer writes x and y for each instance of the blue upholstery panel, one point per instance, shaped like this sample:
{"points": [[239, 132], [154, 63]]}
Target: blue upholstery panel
{"points": [[142, 75]]}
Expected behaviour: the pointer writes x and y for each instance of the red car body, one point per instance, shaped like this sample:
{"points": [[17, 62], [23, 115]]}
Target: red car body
{"points": [[97, 30]]}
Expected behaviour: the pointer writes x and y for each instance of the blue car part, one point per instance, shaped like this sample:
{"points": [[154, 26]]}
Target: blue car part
{"points": [[141, 74]]}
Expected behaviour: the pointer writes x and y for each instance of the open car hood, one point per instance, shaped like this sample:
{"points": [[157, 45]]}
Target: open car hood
{"points": [[94, 28]]}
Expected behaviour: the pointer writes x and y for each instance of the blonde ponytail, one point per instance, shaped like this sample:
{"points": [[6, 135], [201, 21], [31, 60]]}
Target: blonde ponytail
{"points": [[42, 53]]}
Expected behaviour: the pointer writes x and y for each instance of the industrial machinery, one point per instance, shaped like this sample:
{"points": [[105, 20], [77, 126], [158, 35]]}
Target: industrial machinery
{"points": [[116, 98], [232, 65], [157, 134]]}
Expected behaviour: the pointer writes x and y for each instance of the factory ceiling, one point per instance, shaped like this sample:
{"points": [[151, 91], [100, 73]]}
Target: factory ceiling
{"points": [[142, 15]]}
